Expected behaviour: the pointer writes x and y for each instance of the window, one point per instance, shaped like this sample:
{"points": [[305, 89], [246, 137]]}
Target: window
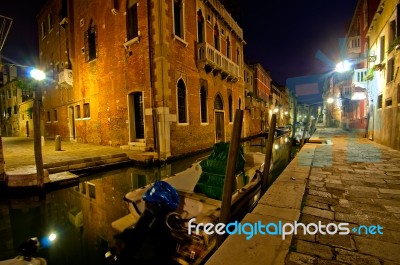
{"points": [[50, 21], [203, 104], [230, 108], [178, 18], [15, 110], [182, 114], [200, 26], [86, 110], [388, 102], [392, 31], [48, 116], [380, 101], [90, 44], [132, 19], [78, 111], [237, 56], [55, 115], [228, 48], [92, 190], [216, 37], [44, 29], [382, 48], [398, 94], [390, 70]]}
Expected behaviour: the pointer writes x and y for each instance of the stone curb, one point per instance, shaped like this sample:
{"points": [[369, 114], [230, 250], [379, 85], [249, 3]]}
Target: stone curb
{"points": [[281, 202]]}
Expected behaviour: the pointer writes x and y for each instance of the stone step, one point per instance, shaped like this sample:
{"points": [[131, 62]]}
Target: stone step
{"points": [[86, 163], [142, 148]]}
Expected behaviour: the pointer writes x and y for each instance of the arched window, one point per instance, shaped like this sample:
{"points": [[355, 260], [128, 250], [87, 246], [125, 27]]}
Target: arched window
{"points": [[216, 37], [230, 108], [203, 104], [228, 48], [200, 26], [182, 108], [218, 105]]}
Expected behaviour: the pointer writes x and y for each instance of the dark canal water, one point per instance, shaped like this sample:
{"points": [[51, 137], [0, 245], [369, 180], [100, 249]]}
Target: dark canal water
{"points": [[81, 216]]}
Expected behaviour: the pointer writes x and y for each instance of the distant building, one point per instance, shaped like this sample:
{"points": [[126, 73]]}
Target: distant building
{"points": [[16, 102], [145, 75]]}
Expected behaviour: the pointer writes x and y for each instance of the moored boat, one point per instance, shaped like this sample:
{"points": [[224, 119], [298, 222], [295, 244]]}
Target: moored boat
{"points": [[195, 204]]}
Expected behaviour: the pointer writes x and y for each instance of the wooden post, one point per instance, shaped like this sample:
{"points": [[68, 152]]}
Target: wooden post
{"points": [[292, 140], [268, 155], [230, 174], [37, 142]]}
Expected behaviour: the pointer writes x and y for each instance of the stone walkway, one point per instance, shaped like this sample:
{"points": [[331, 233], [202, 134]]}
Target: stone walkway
{"points": [[18, 152], [358, 182], [351, 180]]}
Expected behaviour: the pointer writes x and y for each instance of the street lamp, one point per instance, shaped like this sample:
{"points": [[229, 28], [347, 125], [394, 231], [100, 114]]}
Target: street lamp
{"points": [[343, 66], [38, 75]]}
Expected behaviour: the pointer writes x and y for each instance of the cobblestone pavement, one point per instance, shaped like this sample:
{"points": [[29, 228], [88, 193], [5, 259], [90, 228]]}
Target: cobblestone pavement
{"points": [[356, 181], [19, 152]]}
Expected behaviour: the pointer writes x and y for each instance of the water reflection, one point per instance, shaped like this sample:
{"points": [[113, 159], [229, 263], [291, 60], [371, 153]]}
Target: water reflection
{"points": [[81, 216]]}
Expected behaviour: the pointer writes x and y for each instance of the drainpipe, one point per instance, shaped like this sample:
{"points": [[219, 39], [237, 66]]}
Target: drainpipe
{"points": [[152, 94]]}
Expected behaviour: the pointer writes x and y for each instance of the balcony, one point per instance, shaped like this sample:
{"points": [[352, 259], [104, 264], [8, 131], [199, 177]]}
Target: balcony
{"points": [[358, 77], [226, 16], [209, 57], [65, 77]]}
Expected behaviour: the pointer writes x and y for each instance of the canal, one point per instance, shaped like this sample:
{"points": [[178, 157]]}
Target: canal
{"points": [[81, 216]]}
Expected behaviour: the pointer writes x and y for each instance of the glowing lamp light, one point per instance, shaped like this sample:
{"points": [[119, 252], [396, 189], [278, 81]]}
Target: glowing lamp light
{"points": [[37, 74], [276, 110], [276, 146], [286, 113], [343, 66], [330, 100], [52, 237]]}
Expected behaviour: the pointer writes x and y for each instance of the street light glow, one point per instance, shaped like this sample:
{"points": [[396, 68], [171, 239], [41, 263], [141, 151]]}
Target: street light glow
{"points": [[276, 110], [330, 100], [343, 66], [37, 74]]}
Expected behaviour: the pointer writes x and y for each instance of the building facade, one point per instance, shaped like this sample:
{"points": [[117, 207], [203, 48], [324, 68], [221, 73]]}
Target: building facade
{"points": [[141, 74], [16, 102]]}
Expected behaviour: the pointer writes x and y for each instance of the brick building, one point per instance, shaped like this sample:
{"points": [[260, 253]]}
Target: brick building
{"points": [[147, 75]]}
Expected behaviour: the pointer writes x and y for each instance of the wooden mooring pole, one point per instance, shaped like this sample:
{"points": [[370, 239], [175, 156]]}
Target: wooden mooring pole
{"points": [[268, 155], [230, 173]]}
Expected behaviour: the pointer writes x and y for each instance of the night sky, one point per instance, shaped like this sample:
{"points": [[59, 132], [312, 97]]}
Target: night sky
{"points": [[283, 36]]}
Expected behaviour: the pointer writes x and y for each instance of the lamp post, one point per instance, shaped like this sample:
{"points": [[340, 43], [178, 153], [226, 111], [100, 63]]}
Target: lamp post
{"points": [[38, 76]]}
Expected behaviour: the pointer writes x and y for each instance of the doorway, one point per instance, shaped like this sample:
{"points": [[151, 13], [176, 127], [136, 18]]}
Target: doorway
{"points": [[136, 116]]}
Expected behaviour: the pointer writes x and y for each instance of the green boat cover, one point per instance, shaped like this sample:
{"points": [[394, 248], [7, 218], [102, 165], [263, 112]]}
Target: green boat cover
{"points": [[211, 182]]}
